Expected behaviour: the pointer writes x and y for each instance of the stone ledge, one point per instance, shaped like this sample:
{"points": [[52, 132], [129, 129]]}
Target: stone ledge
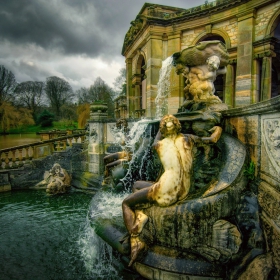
{"points": [[264, 107]]}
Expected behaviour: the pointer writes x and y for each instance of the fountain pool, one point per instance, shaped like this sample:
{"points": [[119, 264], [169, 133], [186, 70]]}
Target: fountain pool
{"points": [[47, 237]]}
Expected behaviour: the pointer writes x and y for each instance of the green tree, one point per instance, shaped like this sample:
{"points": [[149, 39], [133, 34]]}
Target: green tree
{"points": [[59, 92], [45, 119], [13, 117]]}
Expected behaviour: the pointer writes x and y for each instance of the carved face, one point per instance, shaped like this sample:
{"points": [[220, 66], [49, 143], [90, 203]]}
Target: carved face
{"points": [[213, 63], [169, 125], [56, 168]]}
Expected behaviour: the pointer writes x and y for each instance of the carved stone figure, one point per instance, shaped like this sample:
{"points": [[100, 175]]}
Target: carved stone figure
{"points": [[200, 65], [115, 162], [175, 151], [57, 180]]}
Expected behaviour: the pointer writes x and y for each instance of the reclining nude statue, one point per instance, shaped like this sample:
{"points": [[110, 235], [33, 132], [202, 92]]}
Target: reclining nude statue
{"points": [[56, 180], [175, 151]]}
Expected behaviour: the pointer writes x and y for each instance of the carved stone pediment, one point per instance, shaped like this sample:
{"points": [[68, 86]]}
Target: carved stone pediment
{"points": [[271, 140]]}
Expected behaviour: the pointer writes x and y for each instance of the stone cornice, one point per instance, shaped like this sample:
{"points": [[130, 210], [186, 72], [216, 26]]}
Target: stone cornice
{"points": [[149, 15], [264, 107], [265, 41]]}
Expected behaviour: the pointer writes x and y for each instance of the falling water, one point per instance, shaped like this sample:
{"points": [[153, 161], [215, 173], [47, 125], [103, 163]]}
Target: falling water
{"points": [[139, 142], [163, 86], [97, 254]]}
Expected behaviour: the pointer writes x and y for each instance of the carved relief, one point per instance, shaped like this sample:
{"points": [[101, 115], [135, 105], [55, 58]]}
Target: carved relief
{"points": [[93, 136], [273, 243], [271, 140], [270, 204]]}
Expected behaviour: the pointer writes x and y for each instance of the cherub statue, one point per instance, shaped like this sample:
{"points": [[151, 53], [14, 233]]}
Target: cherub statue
{"points": [[200, 65], [175, 151], [200, 79], [57, 180]]}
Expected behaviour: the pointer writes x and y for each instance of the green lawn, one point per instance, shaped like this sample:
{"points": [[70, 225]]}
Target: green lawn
{"points": [[37, 128]]}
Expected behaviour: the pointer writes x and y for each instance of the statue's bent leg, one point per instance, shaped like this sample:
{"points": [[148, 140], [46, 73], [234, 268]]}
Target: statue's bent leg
{"points": [[135, 220], [139, 185], [128, 207]]}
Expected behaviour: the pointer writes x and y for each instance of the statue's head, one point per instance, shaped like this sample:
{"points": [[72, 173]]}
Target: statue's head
{"points": [[56, 168], [213, 62], [169, 125]]}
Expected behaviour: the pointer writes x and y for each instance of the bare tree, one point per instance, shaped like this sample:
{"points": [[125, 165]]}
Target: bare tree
{"points": [[59, 92], [30, 95], [83, 95], [99, 91], [120, 83], [7, 84]]}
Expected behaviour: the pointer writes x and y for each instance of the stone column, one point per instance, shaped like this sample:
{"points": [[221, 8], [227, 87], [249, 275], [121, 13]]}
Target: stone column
{"points": [[130, 92], [97, 138], [266, 78], [136, 82], [154, 61], [176, 97], [255, 87], [230, 84], [244, 58]]}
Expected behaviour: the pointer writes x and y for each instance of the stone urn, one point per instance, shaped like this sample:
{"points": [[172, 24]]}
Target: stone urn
{"points": [[98, 109]]}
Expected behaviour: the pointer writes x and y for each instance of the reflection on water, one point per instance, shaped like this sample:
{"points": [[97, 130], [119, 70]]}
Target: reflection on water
{"points": [[11, 140], [40, 235]]}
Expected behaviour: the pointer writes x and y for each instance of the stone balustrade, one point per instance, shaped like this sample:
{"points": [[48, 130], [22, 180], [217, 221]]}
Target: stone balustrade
{"points": [[15, 157], [47, 135]]}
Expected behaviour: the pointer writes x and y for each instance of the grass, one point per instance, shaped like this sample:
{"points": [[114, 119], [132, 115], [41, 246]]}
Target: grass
{"points": [[60, 125]]}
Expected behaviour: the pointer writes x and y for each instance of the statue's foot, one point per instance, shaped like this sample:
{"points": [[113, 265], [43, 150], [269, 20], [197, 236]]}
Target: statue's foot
{"points": [[141, 220], [124, 241], [138, 249]]}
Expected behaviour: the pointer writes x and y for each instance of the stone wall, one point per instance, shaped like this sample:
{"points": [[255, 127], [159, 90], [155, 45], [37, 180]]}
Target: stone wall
{"points": [[74, 160], [258, 127]]}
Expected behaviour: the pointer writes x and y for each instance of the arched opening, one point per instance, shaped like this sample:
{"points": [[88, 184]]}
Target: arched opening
{"points": [[140, 87], [275, 78], [275, 71]]}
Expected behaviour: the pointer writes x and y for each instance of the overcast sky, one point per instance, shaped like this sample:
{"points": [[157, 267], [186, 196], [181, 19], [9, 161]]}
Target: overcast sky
{"points": [[77, 40]]}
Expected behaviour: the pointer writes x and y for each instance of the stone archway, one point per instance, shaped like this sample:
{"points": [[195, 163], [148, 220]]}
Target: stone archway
{"points": [[275, 75], [272, 60], [140, 87]]}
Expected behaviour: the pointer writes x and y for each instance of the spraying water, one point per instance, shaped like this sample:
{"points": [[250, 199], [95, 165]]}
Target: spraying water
{"points": [[163, 86], [97, 254], [139, 144]]}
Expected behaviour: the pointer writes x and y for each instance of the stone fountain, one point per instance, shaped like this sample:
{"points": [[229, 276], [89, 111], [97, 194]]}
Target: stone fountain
{"points": [[196, 218]]}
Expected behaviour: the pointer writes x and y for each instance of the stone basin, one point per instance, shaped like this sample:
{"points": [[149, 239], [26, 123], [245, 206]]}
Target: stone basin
{"points": [[196, 238]]}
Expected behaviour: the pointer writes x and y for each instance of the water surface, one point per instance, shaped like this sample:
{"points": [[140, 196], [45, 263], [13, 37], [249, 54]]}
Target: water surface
{"points": [[40, 235], [11, 140]]}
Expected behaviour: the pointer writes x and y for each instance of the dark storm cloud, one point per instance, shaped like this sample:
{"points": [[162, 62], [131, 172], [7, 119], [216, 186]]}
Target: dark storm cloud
{"points": [[89, 27], [73, 27], [77, 40]]}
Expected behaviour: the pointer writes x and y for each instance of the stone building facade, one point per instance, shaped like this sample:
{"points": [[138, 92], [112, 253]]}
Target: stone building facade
{"points": [[250, 30]]}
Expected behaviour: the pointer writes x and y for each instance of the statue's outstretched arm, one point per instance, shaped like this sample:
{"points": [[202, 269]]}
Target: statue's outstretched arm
{"points": [[157, 138], [215, 136]]}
